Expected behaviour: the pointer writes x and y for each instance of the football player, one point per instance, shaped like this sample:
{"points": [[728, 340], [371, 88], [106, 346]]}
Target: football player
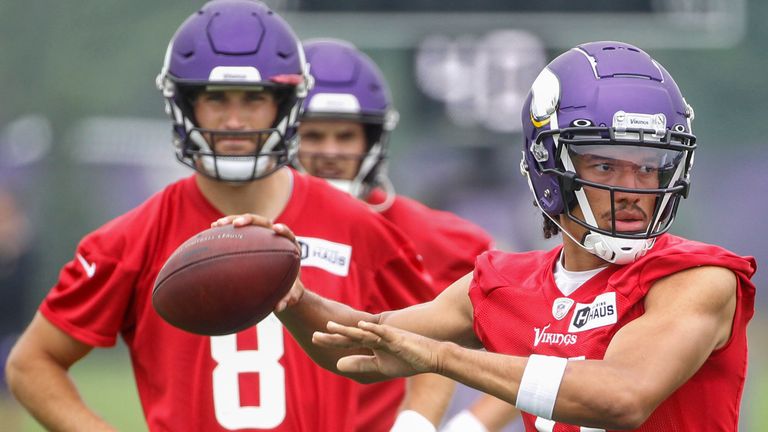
{"points": [[234, 79], [623, 326], [345, 127]]}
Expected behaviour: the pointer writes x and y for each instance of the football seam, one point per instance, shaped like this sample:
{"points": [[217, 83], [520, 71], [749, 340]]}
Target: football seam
{"points": [[217, 257]]}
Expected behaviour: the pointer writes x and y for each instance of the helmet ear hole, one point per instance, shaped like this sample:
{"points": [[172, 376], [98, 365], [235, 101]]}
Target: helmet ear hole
{"points": [[568, 182], [568, 188], [373, 133], [185, 100]]}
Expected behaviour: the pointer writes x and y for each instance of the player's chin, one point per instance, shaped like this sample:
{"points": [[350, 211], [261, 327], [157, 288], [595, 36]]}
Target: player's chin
{"points": [[330, 174]]}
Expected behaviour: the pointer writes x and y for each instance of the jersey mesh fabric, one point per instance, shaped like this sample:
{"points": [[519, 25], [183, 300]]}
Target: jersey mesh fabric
{"points": [[448, 244], [195, 383], [708, 401]]}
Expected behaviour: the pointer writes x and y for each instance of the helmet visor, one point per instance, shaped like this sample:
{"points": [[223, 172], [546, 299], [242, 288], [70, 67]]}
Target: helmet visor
{"points": [[626, 166], [626, 191]]}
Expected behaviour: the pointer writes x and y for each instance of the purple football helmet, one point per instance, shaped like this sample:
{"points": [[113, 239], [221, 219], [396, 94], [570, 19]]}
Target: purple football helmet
{"points": [[239, 44], [349, 86], [610, 107]]}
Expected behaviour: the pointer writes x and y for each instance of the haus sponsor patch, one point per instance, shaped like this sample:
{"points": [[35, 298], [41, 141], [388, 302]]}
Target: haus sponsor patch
{"points": [[326, 255], [601, 312]]}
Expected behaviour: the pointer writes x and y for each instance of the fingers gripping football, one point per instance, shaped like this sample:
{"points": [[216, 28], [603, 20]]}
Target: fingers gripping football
{"points": [[254, 219], [297, 290]]}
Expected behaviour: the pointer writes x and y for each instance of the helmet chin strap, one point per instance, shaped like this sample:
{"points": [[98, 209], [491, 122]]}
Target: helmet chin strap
{"points": [[389, 193], [237, 170], [616, 250], [233, 168], [611, 249], [342, 185]]}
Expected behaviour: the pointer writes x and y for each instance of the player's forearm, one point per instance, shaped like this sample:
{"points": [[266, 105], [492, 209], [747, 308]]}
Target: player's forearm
{"points": [[312, 313], [49, 395], [495, 374], [598, 393], [429, 395], [591, 393]]}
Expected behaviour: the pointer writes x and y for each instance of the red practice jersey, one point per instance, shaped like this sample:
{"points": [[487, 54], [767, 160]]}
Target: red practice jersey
{"points": [[258, 379], [449, 246], [581, 326]]}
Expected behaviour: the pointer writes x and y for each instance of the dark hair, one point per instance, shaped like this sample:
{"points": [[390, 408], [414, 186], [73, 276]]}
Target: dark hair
{"points": [[550, 228]]}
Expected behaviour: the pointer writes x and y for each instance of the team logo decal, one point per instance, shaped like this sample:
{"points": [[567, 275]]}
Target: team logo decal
{"points": [[601, 312], [329, 256], [561, 307]]}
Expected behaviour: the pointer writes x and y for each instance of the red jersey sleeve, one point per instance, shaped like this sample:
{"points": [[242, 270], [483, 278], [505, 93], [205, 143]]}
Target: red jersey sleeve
{"points": [[400, 276], [674, 255], [93, 294], [403, 282], [448, 244]]}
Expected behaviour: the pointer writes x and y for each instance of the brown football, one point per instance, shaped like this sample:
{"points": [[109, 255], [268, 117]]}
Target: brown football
{"points": [[225, 279]]}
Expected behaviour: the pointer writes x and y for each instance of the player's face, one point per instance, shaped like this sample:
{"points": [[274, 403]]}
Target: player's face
{"points": [[331, 149], [237, 111], [627, 167]]}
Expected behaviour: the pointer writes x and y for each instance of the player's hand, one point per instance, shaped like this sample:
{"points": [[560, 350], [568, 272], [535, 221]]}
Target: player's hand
{"points": [[258, 220], [293, 296], [297, 290], [396, 352]]}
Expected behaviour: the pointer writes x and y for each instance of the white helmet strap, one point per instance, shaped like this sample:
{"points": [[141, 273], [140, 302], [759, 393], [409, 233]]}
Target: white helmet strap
{"points": [[616, 250]]}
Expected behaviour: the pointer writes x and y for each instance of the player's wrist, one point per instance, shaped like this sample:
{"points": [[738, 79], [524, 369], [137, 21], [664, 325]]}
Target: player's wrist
{"points": [[447, 356], [412, 421], [539, 385], [464, 421]]}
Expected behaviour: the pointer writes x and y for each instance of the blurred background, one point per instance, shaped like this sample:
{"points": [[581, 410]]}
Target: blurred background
{"points": [[83, 135]]}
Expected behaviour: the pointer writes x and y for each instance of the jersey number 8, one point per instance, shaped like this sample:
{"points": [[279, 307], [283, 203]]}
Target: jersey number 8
{"points": [[231, 362]]}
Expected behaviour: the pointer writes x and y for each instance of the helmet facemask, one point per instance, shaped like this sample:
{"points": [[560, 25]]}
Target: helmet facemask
{"points": [[234, 168], [196, 146], [639, 177], [370, 166]]}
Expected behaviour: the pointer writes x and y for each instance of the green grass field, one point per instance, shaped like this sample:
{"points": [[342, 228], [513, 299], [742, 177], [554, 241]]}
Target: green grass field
{"points": [[106, 383]]}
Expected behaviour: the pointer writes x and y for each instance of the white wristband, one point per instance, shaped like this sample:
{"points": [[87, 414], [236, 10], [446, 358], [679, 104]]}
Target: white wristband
{"points": [[464, 421], [412, 421], [539, 385]]}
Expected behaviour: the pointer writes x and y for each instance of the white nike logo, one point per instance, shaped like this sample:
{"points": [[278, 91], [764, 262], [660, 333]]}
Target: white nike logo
{"points": [[90, 268]]}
